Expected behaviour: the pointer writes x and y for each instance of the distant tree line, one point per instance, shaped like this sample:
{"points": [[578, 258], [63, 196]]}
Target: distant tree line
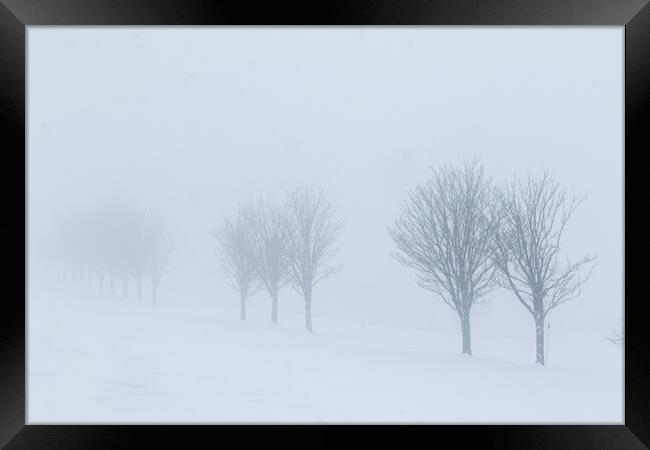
{"points": [[464, 237], [115, 241]]}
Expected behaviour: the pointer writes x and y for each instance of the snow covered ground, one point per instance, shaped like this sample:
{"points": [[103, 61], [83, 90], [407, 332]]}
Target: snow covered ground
{"points": [[101, 359]]}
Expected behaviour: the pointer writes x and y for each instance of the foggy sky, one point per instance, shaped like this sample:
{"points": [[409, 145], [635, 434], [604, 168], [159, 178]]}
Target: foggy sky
{"points": [[196, 120]]}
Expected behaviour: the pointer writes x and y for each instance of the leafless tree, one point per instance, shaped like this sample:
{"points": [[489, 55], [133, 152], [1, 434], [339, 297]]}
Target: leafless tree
{"points": [[533, 214], [445, 232], [164, 242], [237, 251], [271, 237], [313, 233], [147, 235], [137, 245]]}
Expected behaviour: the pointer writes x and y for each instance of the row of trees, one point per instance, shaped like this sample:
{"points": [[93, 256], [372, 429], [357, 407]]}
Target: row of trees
{"points": [[116, 240], [266, 245], [464, 237]]}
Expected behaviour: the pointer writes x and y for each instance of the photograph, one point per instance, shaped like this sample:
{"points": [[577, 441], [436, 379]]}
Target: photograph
{"points": [[324, 225]]}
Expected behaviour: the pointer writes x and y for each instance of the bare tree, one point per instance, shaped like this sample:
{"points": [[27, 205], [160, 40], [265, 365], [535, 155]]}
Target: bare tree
{"points": [[313, 232], [135, 249], [237, 252], [445, 232], [147, 247], [271, 236], [164, 243], [533, 214]]}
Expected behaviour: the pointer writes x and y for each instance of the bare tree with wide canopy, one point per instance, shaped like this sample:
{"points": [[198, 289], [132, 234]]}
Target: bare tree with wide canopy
{"points": [[271, 239], [445, 233], [533, 214], [237, 252], [313, 233]]}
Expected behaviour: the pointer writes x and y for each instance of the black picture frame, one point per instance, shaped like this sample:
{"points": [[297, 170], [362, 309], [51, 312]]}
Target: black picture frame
{"points": [[16, 15]]}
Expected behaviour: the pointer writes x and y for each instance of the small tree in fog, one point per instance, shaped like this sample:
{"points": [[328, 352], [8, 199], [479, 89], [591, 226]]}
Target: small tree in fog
{"points": [[313, 233], [132, 255], [271, 236], [145, 239], [618, 337], [445, 232], [115, 216], [534, 212], [162, 244], [237, 252]]}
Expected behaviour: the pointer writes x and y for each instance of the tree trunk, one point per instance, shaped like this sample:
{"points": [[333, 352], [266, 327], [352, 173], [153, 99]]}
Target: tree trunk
{"points": [[308, 311], [242, 306], [274, 309], [466, 333], [100, 281], [539, 338], [138, 282], [154, 291]]}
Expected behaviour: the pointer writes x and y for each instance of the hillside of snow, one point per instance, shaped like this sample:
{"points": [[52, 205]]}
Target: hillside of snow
{"points": [[98, 359]]}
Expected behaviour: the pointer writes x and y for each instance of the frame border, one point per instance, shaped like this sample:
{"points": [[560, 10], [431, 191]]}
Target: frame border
{"points": [[17, 15]]}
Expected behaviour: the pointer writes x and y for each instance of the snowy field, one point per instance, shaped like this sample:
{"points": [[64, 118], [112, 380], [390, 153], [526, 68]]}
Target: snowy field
{"points": [[101, 359]]}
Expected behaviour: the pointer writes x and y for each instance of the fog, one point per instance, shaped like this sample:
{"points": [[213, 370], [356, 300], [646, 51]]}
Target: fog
{"points": [[197, 120]]}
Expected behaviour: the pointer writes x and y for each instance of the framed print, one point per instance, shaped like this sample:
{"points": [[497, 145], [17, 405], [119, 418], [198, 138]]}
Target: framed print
{"points": [[354, 214]]}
